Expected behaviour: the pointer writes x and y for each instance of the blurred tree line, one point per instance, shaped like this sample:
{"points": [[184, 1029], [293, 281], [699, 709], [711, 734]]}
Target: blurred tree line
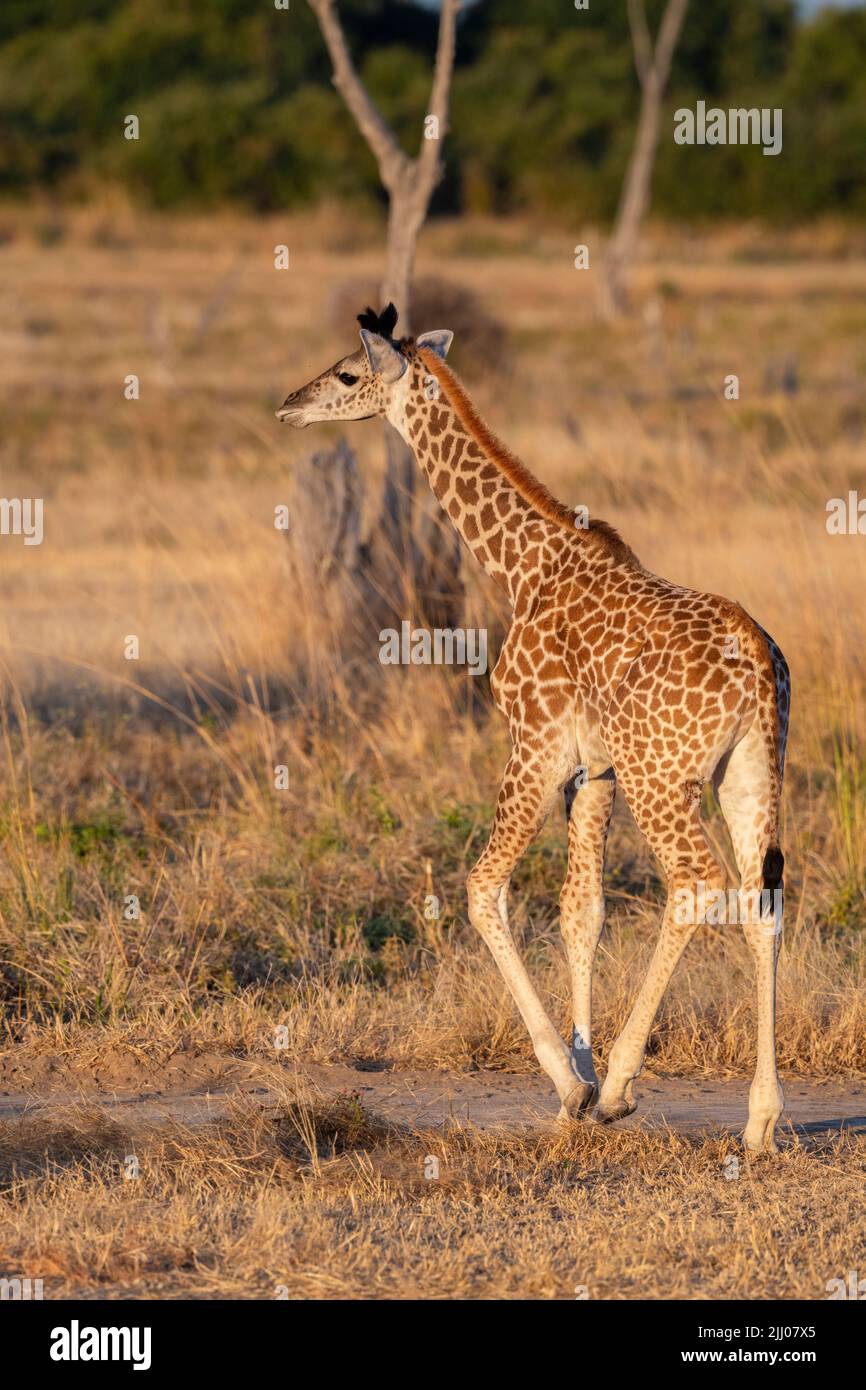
{"points": [[236, 105]]}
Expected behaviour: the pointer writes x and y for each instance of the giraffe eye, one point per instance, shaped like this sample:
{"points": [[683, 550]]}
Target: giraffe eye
{"points": [[347, 378]]}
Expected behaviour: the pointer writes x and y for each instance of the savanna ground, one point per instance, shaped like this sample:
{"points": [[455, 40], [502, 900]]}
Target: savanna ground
{"points": [[302, 910]]}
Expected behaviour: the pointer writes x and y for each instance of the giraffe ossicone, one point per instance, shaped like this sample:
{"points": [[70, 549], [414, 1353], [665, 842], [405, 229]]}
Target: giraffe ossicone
{"points": [[651, 687]]}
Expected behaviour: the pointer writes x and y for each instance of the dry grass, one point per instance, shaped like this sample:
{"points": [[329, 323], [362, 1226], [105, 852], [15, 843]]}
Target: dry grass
{"points": [[320, 1200], [304, 907]]}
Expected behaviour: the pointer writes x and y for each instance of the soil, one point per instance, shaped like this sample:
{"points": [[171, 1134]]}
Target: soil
{"points": [[196, 1087]]}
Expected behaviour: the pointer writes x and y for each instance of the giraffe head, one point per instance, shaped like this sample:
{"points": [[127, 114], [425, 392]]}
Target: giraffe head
{"points": [[372, 381]]}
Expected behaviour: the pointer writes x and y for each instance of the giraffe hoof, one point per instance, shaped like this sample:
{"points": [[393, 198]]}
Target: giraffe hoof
{"points": [[578, 1102], [606, 1115], [762, 1141]]}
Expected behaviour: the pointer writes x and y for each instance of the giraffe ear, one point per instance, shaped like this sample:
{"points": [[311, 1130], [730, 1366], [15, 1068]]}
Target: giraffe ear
{"points": [[385, 361], [438, 340]]}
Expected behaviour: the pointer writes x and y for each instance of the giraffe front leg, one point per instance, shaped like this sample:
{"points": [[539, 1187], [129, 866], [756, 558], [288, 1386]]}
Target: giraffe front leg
{"points": [[582, 920], [527, 793]]}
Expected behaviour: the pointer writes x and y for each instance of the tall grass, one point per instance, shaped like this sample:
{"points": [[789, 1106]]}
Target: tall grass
{"points": [[305, 907]]}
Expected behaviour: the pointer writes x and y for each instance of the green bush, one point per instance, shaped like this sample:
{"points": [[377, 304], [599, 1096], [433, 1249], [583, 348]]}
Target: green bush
{"points": [[235, 104]]}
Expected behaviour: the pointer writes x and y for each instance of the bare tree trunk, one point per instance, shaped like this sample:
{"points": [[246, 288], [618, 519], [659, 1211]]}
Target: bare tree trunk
{"points": [[653, 69], [404, 226], [408, 182], [409, 564]]}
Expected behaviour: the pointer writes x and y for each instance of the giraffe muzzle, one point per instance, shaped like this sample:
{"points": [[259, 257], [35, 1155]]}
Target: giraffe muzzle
{"points": [[292, 415]]}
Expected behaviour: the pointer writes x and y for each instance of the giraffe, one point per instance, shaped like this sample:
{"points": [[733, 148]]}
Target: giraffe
{"points": [[609, 677]]}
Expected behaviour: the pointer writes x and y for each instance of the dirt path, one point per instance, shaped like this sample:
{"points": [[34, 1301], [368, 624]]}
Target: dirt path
{"points": [[195, 1089]]}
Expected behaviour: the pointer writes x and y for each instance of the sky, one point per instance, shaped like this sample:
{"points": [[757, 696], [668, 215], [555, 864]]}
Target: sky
{"points": [[810, 6], [807, 7]]}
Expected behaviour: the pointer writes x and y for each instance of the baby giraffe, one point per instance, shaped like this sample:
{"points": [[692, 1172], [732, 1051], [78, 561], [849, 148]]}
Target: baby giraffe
{"points": [[609, 676]]}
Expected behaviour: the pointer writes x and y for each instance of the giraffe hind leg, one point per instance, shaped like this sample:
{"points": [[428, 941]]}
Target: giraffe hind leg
{"points": [[673, 828], [742, 782]]}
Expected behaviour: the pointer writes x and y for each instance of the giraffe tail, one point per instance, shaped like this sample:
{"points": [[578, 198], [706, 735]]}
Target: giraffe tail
{"points": [[773, 868], [766, 696]]}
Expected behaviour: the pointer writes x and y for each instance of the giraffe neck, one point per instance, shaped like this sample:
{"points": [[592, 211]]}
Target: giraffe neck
{"points": [[492, 513]]}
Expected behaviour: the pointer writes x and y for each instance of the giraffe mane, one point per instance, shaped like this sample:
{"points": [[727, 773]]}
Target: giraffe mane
{"points": [[514, 469]]}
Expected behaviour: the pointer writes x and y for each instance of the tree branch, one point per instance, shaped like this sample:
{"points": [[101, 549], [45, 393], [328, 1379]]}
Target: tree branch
{"points": [[640, 40], [378, 134], [653, 64], [429, 156], [669, 32], [653, 67]]}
